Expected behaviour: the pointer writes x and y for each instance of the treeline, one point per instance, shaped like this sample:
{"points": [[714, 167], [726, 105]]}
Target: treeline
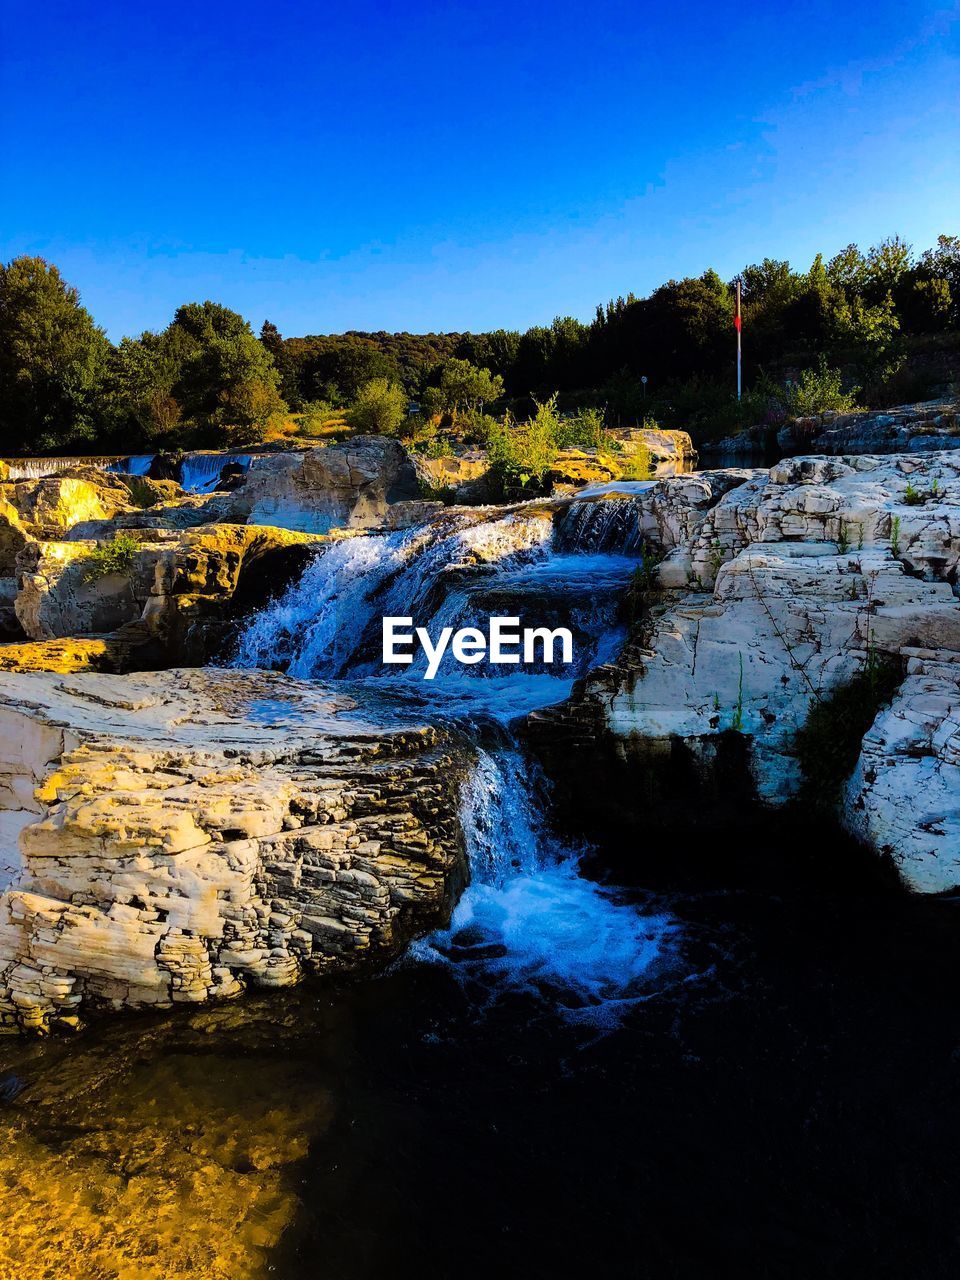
{"points": [[208, 380]]}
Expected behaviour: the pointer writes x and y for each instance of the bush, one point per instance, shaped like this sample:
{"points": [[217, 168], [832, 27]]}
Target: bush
{"points": [[585, 430], [818, 390], [829, 742], [319, 418], [116, 556], [379, 409], [637, 464], [523, 452], [142, 492]]}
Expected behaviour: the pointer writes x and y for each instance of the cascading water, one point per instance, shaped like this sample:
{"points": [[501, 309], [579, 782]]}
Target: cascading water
{"points": [[200, 472], [38, 468], [529, 920], [137, 464]]}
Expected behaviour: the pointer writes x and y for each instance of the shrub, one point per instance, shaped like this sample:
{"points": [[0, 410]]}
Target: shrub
{"points": [[115, 556], [319, 419], [818, 390], [379, 408], [828, 744], [586, 430], [525, 452], [142, 492], [638, 464]]}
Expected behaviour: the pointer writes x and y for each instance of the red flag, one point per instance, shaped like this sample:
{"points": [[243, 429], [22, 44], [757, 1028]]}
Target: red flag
{"points": [[737, 322]]}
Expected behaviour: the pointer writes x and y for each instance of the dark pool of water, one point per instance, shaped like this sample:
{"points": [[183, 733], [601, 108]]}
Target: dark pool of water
{"points": [[783, 1103]]}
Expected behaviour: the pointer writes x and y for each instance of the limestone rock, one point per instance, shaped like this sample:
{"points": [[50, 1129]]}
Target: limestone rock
{"points": [[182, 585], [773, 592], [61, 594], [194, 831], [13, 537], [903, 798], [349, 485], [915, 428]]}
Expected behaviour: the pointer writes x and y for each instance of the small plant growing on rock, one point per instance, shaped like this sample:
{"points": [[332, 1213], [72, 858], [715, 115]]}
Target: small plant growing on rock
{"points": [[716, 556], [895, 537], [737, 722], [115, 556], [828, 744], [913, 497], [643, 583], [142, 493], [843, 539]]}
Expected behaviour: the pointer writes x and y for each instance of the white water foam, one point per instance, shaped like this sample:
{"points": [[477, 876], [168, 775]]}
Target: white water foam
{"points": [[530, 922]]}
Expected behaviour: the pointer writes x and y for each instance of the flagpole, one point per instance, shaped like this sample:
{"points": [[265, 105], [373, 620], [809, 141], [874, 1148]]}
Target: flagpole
{"points": [[739, 324]]}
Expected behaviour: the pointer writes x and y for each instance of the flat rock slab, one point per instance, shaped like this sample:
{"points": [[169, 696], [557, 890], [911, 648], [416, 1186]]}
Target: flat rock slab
{"points": [[185, 833]]}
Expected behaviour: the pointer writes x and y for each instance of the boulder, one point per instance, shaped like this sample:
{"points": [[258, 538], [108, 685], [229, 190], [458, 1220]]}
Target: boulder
{"points": [[903, 798], [52, 507], [193, 832], [348, 485]]}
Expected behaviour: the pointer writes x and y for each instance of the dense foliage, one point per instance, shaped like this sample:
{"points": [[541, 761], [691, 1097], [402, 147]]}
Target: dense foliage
{"points": [[876, 327]]}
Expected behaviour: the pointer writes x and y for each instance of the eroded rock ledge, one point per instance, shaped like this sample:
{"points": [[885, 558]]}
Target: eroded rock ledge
{"points": [[775, 590], [185, 833]]}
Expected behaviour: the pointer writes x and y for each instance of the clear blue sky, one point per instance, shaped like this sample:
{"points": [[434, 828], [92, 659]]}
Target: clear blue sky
{"points": [[409, 165]]}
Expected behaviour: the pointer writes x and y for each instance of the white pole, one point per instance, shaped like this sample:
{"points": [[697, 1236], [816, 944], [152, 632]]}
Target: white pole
{"points": [[739, 324]]}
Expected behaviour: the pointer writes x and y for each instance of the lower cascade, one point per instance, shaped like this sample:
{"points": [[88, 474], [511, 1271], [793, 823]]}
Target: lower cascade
{"points": [[529, 920]]}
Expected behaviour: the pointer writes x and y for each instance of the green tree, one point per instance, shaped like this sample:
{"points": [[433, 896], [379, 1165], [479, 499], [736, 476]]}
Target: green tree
{"points": [[217, 353], [848, 270], [379, 408], [53, 360], [462, 387], [138, 392], [887, 264]]}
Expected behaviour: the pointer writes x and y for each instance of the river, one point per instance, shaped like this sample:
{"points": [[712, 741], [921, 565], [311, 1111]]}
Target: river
{"points": [[641, 1056]]}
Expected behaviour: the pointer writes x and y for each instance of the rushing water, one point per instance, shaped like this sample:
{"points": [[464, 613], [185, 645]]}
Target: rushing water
{"points": [[199, 471], [529, 919]]}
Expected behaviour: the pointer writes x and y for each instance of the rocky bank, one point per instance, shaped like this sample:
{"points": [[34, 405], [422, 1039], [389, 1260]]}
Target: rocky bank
{"points": [[776, 589], [186, 833], [174, 835]]}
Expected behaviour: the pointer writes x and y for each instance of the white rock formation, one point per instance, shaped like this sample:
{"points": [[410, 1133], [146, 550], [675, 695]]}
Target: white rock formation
{"points": [[349, 486], [774, 595], [187, 832], [903, 798]]}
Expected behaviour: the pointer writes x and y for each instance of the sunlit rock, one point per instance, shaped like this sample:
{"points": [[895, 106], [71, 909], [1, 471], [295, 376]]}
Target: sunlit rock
{"points": [[195, 831]]}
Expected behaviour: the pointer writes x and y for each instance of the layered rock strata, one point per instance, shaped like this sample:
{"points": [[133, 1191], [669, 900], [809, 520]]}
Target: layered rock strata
{"points": [[771, 595], [186, 833]]}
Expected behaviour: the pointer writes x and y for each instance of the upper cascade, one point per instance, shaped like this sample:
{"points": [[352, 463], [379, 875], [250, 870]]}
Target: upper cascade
{"points": [[457, 571]]}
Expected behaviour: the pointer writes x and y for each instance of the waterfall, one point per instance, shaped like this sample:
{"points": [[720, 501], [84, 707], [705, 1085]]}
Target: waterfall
{"points": [[608, 524], [137, 464], [529, 920], [37, 468], [200, 472]]}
